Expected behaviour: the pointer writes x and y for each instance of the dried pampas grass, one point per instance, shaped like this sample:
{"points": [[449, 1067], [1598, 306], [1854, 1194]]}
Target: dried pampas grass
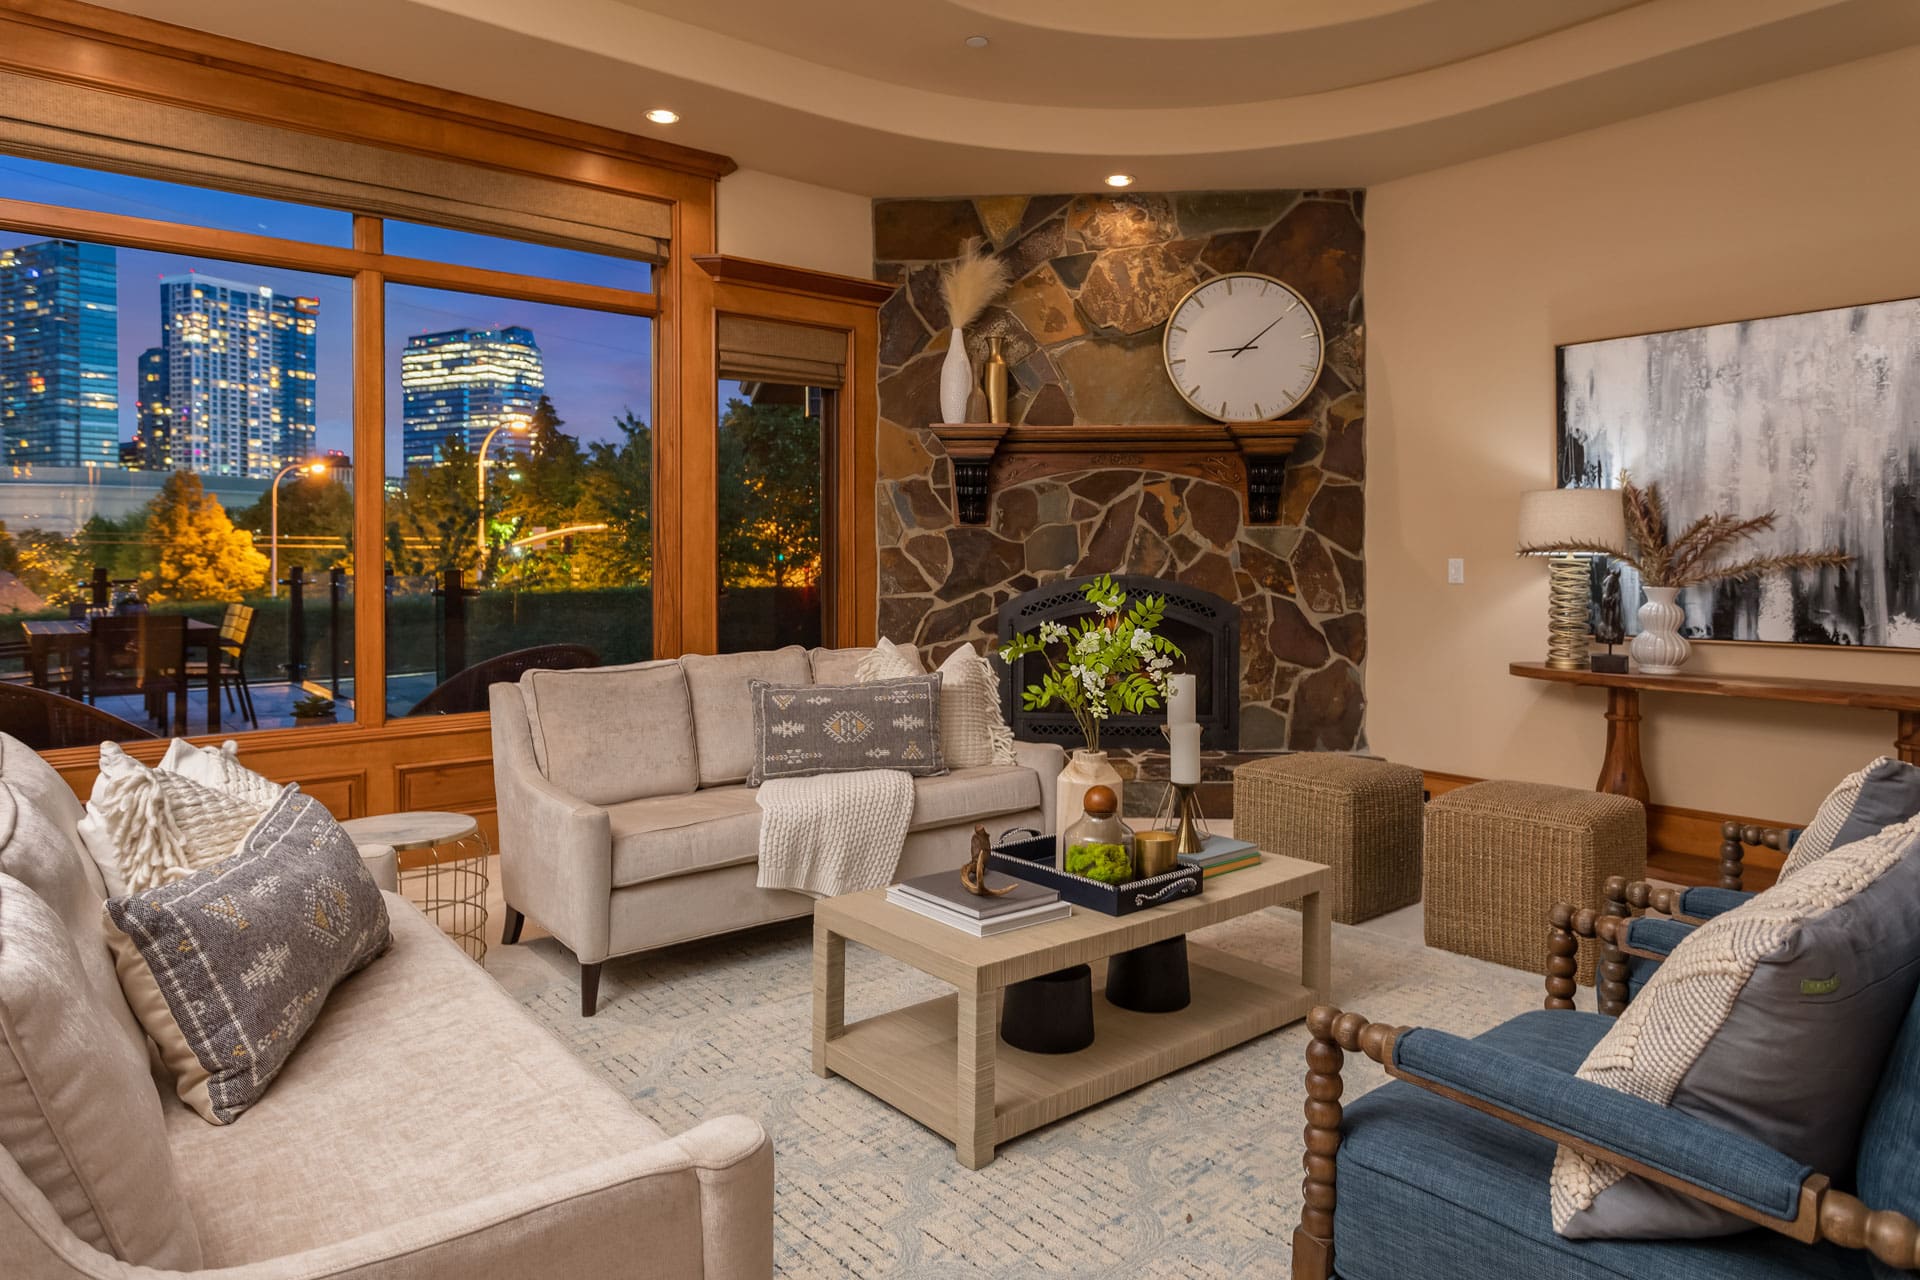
{"points": [[970, 284]]}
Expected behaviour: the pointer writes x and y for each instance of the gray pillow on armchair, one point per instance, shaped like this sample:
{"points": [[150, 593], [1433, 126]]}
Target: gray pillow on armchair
{"points": [[801, 730]]}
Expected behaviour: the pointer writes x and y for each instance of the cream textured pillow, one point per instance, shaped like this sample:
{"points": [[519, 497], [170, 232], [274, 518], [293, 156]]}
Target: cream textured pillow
{"points": [[1773, 1020], [220, 768], [1871, 800], [145, 826], [972, 730], [78, 1112]]}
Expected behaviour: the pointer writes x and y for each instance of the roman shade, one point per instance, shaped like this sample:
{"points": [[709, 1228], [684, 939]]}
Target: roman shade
{"points": [[754, 350], [51, 120]]}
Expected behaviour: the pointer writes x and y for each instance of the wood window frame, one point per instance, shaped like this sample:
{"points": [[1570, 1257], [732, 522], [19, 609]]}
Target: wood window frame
{"points": [[105, 49]]}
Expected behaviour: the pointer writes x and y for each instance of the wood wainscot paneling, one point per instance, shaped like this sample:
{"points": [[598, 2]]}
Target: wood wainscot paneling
{"points": [[1683, 845]]}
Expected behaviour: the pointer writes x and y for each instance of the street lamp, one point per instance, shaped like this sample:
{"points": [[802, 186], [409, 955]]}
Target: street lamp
{"points": [[273, 538], [512, 424]]}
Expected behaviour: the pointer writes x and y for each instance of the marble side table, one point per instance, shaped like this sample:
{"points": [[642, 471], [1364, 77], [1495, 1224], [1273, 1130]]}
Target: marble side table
{"points": [[443, 868]]}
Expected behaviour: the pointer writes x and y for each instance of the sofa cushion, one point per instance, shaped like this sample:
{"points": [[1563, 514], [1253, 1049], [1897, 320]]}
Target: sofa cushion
{"points": [[970, 795], [78, 1111], [674, 835], [1888, 1175], [1430, 1187], [842, 666], [227, 968], [1879, 796], [607, 734], [1773, 1020], [422, 1084], [723, 708], [44, 854], [803, 730]]}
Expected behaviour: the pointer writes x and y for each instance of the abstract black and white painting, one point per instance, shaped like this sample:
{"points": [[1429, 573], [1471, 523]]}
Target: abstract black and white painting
{"points": [[1814, 416]]}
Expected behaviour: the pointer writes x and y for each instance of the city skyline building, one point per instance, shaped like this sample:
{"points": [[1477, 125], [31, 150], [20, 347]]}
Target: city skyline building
{"points": [[59, 356], [463, 383], [240, 364], [153, 417]]}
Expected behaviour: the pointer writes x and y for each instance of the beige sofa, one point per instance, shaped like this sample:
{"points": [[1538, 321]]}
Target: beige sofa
{"points": [[625, 821], [426, 1127]]}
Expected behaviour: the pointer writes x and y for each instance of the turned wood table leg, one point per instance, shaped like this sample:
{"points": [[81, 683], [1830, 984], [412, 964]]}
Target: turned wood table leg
{"points": [[1622, 773], [1906, 738]]}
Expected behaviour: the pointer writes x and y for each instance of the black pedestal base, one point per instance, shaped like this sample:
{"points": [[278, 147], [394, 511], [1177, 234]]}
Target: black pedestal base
{"points": [[1052, 1013], [1150, 979]]}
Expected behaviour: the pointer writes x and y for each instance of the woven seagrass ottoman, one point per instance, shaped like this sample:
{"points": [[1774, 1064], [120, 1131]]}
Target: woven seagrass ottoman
{"points": [[1500, 854], [1359, 816]]}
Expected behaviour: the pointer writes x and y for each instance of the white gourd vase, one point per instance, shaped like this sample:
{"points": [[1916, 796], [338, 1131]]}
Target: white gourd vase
{"points": [[1659, 649], [1085, 770], [956, 380]]}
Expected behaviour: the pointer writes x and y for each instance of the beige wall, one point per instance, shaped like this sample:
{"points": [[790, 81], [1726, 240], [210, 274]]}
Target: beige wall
{"points": [[780, 220], [1794, 196]]}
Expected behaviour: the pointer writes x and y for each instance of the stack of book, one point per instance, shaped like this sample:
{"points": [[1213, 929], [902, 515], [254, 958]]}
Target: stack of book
{"points": [[1221, 854], [942, 897]]}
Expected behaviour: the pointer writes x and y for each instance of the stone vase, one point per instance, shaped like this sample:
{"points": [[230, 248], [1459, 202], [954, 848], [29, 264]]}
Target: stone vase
{"points": [[956, 380], [1659, 649], [1085, 770]]}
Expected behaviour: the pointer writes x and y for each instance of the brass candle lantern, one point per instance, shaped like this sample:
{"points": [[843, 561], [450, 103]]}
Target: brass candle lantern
{"points": [[1179, 814], [1571, 527]]}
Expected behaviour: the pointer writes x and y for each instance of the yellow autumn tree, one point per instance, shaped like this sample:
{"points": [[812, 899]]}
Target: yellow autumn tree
{"points": [[201, 555]]}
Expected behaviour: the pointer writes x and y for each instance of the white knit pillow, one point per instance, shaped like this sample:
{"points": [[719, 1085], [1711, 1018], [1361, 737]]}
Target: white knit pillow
{"points": [[972, 730], [146, 827], [888, 661], [1832, 815], [220, 768]]}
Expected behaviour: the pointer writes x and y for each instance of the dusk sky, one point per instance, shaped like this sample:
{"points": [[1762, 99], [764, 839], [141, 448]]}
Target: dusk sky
{"points": [[597, 365]]}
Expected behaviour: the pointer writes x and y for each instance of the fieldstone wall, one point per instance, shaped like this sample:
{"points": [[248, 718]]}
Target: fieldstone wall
{"points": [[1094, 279]]}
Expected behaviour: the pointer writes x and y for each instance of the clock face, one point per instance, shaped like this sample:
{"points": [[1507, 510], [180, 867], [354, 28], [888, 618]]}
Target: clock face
{"points": [[1243, 348]]}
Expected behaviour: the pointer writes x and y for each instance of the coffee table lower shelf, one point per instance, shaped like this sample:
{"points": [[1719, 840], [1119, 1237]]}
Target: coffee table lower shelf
{"points": [[909, 1058]]}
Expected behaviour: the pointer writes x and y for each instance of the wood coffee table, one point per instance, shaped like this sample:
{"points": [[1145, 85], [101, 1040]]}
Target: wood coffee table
{"points": [[942, 1061]]}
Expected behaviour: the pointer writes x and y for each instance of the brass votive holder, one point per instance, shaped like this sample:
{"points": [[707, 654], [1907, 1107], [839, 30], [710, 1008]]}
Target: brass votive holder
{"points": [[1153, 853]]}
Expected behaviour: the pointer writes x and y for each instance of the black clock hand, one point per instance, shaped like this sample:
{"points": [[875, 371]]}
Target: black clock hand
{"points": [[1248, 345]]}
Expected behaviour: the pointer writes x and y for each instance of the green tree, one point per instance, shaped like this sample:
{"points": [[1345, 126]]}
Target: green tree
{"points": [[49, 564], [316, 522], [431, 526], [543, 490], [617, 490], [769, 496], [201, 555]]}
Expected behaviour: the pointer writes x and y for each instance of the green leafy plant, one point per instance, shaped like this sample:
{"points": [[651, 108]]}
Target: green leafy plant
{"points": [[312, 707], [1109, 660], [1700, 554]]}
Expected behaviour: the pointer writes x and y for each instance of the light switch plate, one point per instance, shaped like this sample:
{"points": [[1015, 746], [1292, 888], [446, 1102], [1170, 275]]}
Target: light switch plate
{"points": [[1456, 571]]}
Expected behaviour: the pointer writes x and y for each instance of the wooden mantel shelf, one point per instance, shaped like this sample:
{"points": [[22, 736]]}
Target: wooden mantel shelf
{"points": [[1623, 773], [1264, 447]]}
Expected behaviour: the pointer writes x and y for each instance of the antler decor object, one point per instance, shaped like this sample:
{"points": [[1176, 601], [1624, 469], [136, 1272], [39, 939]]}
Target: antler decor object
{"points": [[967, 285]]}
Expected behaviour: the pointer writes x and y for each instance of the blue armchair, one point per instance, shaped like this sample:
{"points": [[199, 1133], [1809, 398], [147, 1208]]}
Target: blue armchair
{"points": [[1443, 1172]]}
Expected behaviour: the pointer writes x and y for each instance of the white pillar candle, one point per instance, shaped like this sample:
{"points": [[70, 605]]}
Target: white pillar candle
{"points": [[1183, 700], [1184, 766]]}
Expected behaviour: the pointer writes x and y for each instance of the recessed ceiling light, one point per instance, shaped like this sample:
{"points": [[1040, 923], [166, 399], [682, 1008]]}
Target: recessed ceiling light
{"points": [[1119, 179], [977, 42], [660, 115]]}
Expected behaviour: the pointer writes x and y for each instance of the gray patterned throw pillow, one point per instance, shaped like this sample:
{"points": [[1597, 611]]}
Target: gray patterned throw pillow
{"points": [[227, 968], [800, 730]]}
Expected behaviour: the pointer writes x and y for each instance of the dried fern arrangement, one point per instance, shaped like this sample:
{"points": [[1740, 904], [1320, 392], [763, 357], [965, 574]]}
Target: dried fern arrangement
{"points": [[1700, 554], [969, 284]]}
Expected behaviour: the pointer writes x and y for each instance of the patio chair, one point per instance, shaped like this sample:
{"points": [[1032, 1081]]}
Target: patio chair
{"points": [[48, 721], [466, 690], [144, 654], [236, 630]]}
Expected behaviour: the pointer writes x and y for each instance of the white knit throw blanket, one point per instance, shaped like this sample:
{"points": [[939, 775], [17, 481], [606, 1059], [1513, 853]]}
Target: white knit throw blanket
{"points": [[833, 833]]}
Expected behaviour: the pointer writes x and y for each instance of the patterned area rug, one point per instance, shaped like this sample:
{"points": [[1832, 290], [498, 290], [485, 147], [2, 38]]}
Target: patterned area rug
{"points": [[1195, 1175]]}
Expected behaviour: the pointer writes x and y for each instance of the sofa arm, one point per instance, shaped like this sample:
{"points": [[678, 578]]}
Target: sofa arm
{"points": [[733, 1158], [1671, 1147], [556, 850], [1046, 759]]}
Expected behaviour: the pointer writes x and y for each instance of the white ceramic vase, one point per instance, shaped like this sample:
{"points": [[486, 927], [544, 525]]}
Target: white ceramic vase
{"points": [[1659, 649], [956, 380], [1085, 770]]}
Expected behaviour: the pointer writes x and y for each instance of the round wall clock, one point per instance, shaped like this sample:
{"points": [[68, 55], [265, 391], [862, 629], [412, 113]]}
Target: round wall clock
{"points": [[1243, 347]]}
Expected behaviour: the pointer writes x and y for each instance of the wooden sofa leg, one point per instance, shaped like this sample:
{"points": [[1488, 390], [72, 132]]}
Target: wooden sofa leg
{"points": [[589, 989], [510, 927]]}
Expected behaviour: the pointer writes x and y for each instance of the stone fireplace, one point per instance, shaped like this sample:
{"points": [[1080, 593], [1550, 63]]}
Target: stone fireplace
{"points": [[1206, 627]]}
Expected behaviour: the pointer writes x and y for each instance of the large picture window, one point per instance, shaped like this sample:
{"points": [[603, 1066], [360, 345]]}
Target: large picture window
{"points": [[186, 461]]}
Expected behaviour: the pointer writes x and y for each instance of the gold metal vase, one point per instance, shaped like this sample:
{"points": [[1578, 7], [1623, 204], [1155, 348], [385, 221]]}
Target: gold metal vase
{"points": [[996, 380]]}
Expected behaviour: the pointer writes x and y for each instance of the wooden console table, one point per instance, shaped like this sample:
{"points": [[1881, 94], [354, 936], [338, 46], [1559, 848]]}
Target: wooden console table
{"points": [[1622, 772]]}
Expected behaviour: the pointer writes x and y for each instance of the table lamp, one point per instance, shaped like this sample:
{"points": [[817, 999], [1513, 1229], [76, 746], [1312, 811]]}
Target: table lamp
{"points": [[1571, 527]]}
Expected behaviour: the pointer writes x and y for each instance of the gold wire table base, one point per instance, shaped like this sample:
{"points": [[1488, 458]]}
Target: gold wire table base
{"points": [[442, 871]]}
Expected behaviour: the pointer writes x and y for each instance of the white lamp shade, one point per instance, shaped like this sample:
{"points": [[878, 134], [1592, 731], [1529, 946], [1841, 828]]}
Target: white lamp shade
{"points": [[1554, 518]]}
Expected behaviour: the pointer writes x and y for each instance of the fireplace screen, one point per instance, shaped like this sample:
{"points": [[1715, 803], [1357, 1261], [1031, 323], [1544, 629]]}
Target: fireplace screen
{"points": [[1206, 627]]}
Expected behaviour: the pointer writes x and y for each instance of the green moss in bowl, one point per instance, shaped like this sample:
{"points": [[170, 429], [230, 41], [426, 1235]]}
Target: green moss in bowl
{"points": [[1107, 863]]}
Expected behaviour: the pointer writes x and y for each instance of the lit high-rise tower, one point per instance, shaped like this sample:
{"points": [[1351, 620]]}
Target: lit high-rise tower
{"points": [[240, 369], [59, 359], [153, 418], [463, 383]]}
